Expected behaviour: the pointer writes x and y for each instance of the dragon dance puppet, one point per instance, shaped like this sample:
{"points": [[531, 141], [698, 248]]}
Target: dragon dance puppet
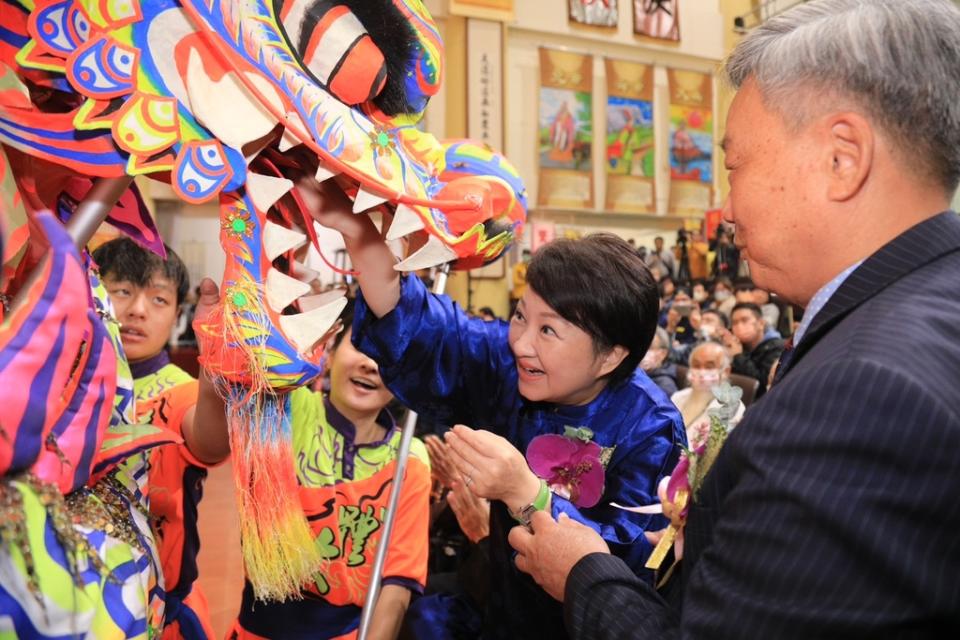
{"points": [[225, 100]]}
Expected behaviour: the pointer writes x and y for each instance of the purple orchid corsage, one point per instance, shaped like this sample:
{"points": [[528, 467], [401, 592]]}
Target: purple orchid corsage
{"points": [[571, 464]]}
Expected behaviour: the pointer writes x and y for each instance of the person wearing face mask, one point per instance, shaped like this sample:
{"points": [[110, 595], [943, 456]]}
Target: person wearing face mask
{"points": [[709, 367], [683, 317], [723, 299], [656, 365], [712, 324], [699, 293]]}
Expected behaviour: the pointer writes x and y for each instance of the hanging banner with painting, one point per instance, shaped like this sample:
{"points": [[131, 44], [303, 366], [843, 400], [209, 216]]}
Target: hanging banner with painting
{"points": [[597, 13], [657, 19], [565, 129], [691, 141], [630, 145]]}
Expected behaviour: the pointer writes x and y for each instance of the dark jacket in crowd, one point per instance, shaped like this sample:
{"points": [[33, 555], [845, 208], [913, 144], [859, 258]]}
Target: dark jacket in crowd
{"points": [[758, 362], [665, 377]]}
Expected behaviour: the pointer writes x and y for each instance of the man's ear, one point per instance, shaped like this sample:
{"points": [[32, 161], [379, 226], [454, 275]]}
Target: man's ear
{"points": [[849, 154], [612, 359]]}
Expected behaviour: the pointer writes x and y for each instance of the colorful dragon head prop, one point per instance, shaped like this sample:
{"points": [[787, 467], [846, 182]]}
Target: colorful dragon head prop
{"points": [[220, 98], [207, 94]]}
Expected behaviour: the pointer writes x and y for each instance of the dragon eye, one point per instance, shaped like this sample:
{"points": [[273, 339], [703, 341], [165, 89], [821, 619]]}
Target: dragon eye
{"points": [[334, 46]]}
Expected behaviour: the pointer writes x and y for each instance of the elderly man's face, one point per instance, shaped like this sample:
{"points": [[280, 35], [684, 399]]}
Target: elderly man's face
{"points": [[710, 356], [774, 194]]}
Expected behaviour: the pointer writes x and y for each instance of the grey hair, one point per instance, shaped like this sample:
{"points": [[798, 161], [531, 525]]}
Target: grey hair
{"points": [[899, 60], [706, 343], [662, 338]]}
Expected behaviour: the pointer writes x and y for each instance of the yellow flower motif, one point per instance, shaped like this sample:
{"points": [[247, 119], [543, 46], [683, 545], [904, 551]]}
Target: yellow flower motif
{"points": [[237, 223], [381, 142]]}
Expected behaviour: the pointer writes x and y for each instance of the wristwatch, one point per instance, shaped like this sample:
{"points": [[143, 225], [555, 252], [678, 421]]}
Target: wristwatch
{"points": [[540, 503]]}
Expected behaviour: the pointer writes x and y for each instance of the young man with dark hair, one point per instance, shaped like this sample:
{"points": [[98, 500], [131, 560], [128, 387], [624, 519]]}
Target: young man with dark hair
{"points": [[146, 292], [753, 354]]}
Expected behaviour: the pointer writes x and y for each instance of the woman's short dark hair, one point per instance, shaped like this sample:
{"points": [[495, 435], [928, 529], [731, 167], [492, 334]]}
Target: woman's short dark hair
{"points": [[600, 284]]}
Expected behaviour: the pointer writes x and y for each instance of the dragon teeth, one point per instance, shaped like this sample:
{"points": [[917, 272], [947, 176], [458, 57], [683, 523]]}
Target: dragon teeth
{"points": [[366, 201], [277, 240], [266, 190], [305, 329], [282, 290], [432, 254], [405, 221]]}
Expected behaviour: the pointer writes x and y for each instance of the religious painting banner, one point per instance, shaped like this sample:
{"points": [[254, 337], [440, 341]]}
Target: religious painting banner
{"points": [[597, 13], [691, 141], [630, 138], [657, 19], [565, 129]]}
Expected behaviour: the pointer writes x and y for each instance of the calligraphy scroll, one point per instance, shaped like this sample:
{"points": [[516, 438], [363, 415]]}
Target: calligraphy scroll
{"points": [[485, 82]]}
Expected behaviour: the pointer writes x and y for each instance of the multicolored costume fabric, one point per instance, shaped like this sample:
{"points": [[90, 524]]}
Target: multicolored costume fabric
{"points": [[344, 491], [164, 394], [453, 369], [75, 595], [84, 566]]}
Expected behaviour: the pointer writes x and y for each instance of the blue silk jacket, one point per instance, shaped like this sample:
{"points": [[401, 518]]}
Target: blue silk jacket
{"points": [[453, 369]]}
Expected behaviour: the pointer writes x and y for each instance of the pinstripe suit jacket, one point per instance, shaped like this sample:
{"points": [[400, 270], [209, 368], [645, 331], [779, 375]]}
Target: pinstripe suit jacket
{"points": [[833, 510]]}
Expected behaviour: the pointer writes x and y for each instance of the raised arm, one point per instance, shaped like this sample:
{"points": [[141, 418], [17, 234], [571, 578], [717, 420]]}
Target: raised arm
{"points": [[205, 424], [371, 257]]}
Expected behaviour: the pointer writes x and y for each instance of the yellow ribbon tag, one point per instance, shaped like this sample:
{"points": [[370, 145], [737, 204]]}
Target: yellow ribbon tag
{"points": [[660, 551], [672, 510]]}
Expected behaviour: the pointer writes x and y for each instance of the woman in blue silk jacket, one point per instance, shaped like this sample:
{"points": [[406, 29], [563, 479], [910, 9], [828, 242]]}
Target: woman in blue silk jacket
{"points": [[567, 422]]}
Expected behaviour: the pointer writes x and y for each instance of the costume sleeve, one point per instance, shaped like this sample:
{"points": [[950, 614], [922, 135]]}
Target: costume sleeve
{"points": [[447, 367], [168, 410], [406, 563], [648, 453]]}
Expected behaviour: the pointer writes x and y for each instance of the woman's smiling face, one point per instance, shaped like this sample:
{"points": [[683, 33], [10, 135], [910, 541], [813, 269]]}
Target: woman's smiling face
{"points": [[556, 360]]}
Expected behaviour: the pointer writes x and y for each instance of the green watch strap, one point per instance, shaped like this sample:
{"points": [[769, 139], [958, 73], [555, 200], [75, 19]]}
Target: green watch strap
{"points": [[540, 503]]}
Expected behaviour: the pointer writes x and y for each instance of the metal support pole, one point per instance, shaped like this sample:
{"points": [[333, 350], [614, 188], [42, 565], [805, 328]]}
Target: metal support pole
{"points": [[84, 222], [91, 213], [409, 425]]}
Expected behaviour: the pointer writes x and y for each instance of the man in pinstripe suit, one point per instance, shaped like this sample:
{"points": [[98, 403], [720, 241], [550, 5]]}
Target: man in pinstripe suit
{"points": [[832, 511]]}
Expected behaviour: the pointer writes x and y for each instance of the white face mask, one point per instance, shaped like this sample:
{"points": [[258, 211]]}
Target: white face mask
{"points": [[707, 331], [703, 379], [652, 359], [699, 296], [721, 296]]}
